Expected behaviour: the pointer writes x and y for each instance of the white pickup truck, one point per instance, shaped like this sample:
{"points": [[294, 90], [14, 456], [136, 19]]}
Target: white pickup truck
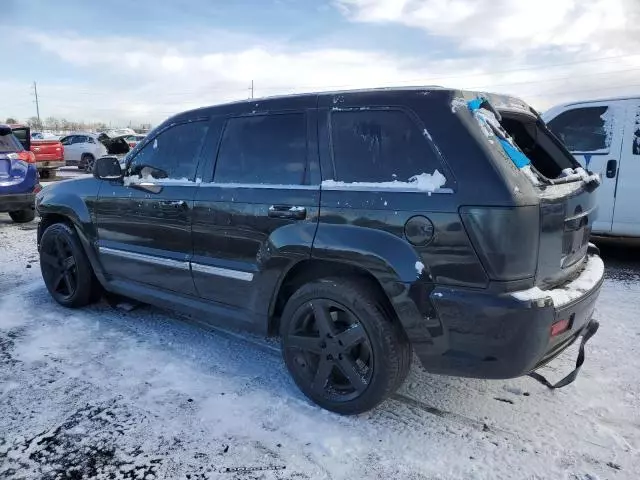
{"points": [[604, 136]]}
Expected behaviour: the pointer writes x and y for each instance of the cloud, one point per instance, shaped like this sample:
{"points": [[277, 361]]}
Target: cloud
{"points": [[134, 79], [514, 26]]}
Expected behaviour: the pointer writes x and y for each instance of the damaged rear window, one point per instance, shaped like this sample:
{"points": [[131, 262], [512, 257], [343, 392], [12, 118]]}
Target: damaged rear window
{"points": [[521, 137]]}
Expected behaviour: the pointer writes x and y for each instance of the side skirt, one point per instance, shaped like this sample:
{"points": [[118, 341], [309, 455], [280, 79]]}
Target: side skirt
{"points": [[208, 314]]}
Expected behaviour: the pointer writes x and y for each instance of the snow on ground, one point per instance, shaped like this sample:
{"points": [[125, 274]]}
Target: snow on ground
{"points": [[100, 393]]}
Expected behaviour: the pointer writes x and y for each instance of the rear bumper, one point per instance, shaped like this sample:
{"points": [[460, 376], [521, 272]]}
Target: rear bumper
{"points": [[479, 334], [21, 201], [49, 164]]}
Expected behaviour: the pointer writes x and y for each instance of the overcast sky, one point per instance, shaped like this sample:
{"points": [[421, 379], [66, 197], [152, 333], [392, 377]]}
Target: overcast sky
{"points": [[133, 60]]}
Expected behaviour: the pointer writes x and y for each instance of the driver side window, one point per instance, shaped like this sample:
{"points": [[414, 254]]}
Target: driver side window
{"points": [[171, 154]]}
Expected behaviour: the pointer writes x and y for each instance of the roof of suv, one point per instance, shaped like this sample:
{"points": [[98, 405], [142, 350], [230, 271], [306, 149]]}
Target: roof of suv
{"points": [[506, 102]]}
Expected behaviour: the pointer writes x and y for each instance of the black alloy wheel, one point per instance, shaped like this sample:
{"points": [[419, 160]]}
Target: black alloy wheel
{"points": [[331, 350], [340, 346], [65, 268], [59, 267]]}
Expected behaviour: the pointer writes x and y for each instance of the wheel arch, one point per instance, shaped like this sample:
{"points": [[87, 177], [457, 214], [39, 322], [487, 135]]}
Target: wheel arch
{"points": [[51, 218], [310, 270]]}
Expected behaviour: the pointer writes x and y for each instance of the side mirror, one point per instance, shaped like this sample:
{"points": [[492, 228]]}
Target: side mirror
{"points": [[107, 168]]}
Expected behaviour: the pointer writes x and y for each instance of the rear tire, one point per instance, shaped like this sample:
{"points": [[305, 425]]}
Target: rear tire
{"points": [[342, 349], [87, 160], [23, 216], [45, 173], [65, 267]]}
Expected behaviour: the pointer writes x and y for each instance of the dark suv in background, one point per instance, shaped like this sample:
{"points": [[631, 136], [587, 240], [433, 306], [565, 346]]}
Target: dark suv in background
{"points": [[360, 227]]}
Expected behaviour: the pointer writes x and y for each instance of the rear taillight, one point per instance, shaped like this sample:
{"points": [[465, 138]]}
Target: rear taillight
{"points": [[37, 188], [505, 239], [559, 327], [27, 156]]}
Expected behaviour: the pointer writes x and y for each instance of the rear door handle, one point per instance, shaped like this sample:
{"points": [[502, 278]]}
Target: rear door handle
{"points": [[612, 168], [174, 203], [288, 211]]}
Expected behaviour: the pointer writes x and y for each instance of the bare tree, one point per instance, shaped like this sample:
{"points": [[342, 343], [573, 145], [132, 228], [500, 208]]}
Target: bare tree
{"points": [[34, 122], [11, 120], [52, 123]]}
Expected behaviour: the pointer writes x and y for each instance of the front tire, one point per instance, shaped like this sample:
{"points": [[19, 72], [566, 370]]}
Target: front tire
{"points": [[343, 351], [23, 216], [65, 268]]}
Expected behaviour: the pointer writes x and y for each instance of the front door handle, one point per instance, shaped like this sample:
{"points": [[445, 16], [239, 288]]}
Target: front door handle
{"points": [[612, 168], [287, 211], [174, 203]]}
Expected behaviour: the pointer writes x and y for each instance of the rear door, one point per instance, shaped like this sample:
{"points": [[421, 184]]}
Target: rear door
{"points": [[626, 216], [144, 225], [593, 134], [257, 214]]}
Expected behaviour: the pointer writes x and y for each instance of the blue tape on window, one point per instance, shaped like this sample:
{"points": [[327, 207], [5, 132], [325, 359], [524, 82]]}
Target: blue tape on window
{"points": [[517, 157], [475, 104]]}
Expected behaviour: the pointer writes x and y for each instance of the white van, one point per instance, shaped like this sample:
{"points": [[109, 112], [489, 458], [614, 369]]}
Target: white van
{"points": [[604, 136]]}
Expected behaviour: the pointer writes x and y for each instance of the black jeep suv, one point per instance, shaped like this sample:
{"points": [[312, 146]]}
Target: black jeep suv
{"points": [[361, 227]]}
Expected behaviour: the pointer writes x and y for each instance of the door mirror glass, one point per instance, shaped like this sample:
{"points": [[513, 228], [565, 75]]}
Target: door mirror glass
{"points": [[107, 168]]}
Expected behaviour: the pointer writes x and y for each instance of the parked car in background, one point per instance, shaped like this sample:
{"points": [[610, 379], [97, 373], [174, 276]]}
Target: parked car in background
{"points": [[49, 152], [44, 136], [83, 148], [19, 181], [361, 227], [133, 140], [119, 132], [604, 136]]}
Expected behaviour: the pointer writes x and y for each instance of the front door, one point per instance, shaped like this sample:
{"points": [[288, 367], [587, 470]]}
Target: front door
{"points": [[144, 224], [593, 134], [626, 216], [259, 213]]}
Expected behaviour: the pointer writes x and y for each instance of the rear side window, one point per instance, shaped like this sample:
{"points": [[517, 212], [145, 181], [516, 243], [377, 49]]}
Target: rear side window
{"points": [[379, 146], [9, 144], [21, 134], [269, 149], [173, 153], [584, 129]]}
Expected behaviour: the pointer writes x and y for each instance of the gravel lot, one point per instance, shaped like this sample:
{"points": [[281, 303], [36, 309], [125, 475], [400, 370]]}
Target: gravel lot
{"points": [[103, 393]]}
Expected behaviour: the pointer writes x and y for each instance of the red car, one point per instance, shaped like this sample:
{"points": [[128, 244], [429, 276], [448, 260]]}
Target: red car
{"points": [[49, 153]]}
